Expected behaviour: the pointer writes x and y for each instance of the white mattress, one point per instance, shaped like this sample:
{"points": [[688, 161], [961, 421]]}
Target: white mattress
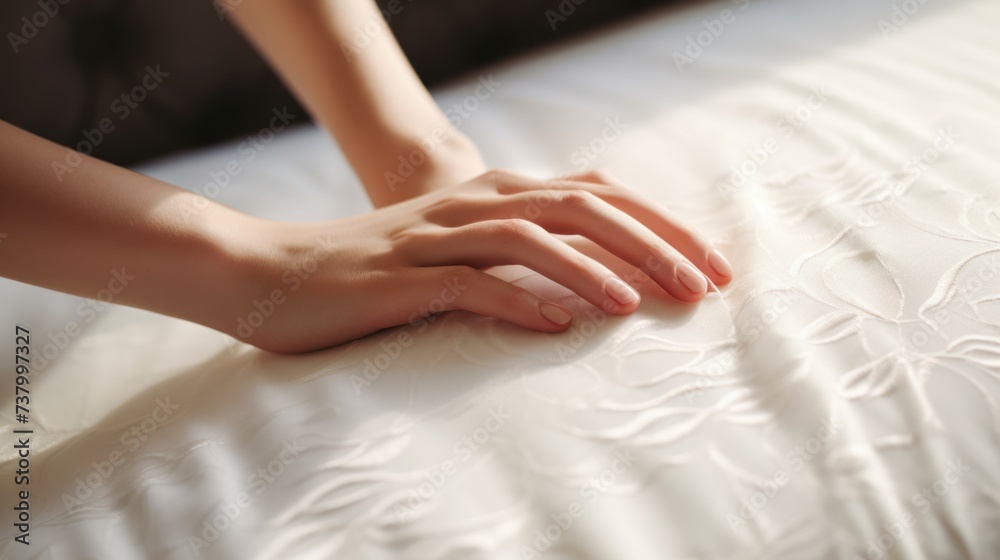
{"points": [[838, 400]]}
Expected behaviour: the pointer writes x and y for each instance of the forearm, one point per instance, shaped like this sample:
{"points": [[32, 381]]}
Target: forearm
{"points": [[367, 96], [97, 230]]}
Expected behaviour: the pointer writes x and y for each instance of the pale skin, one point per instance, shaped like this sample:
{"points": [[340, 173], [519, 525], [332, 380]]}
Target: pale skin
{"points": [[441, 229]]}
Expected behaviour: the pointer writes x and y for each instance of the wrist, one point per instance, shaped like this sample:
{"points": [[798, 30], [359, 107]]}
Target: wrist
{"points": [[239, 264], [455, 160], [445, 158]]}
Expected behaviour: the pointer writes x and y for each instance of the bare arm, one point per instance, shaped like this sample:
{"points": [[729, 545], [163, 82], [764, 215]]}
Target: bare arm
{"points": [[366, 95], [86, 227], [161, 248]]}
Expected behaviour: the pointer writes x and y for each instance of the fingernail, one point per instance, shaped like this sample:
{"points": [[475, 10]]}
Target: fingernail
{"points": [[620, 291], [719, 263], [556, 314], [691, 278], [712, 288]]}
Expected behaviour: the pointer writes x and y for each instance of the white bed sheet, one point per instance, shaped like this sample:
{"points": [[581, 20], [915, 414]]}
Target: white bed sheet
{"points": [[840, 395]]}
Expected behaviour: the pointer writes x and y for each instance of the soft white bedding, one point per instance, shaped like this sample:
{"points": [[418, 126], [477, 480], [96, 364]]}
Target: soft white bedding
{"points": [[838, 400]]}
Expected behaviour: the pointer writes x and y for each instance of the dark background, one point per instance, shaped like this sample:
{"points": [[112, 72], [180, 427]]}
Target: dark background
{"points": [[65, 78]]}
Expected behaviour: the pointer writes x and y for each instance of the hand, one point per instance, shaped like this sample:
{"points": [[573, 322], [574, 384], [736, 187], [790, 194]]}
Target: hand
{"points": [[327, 283]]}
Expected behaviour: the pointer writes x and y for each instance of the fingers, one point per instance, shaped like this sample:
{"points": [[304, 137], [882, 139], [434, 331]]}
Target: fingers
{"points": [[449, 288], [582, 213], [502, 242], [653, 216]]}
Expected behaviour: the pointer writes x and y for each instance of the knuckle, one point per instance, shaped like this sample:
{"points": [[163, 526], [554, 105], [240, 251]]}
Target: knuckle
{"points": [[407, 237], [514, 230], [585, 265], [448, 210], [616, 193], [498, 177], [660, 256], [675, 221], [616, 189], [577, 199], [511, 298], [684, 231], [602, 176]]}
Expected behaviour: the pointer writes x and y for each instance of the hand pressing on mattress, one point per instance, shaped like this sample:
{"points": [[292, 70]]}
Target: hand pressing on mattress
{"points": [[293, 287], [336, 281], [290, 287]]}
